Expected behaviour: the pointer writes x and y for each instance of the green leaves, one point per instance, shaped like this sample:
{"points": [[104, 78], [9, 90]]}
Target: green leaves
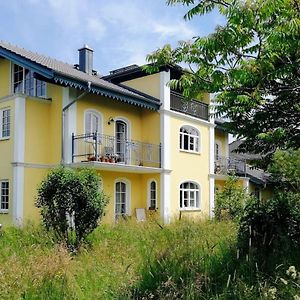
{"points": [[71, 204], [252, 63]]}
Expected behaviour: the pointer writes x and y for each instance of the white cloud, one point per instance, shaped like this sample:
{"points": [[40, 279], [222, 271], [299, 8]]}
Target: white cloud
{"points": [[96, 28], [178, 30]]}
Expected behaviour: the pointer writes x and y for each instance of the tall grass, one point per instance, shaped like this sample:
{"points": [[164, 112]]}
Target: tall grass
{"points": [[185, 260]]}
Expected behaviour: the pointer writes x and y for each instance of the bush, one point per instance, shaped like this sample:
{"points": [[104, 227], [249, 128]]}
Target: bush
{"points": [[270, 229], [230, 200], [71, 204]]}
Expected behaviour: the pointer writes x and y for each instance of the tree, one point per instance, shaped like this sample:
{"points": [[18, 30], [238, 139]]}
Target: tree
{"points": [[71, 204], [252, 62]]}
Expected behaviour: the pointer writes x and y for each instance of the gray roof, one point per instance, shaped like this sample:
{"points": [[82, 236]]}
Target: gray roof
{"points": [[69, 71]]}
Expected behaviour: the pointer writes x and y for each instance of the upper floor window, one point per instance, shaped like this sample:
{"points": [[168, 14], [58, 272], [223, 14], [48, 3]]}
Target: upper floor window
{"points": [[218, 151], [4, 195], [152, 195], [189, 139], [189, 195], [4, 123], [92, 121], [24, 82]]}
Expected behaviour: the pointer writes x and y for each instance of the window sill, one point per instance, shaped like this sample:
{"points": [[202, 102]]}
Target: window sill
{"points": [[190, 151], [190, 209], [4, 138], [3, 212]]}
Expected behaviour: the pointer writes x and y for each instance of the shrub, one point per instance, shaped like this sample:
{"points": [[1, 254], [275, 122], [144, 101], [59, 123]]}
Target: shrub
{"points": [[71, 204], [230, 200]]}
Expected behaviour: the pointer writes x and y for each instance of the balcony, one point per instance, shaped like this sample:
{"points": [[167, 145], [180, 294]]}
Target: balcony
{"points": [[227, 165], [101, 148], [192, 107]]}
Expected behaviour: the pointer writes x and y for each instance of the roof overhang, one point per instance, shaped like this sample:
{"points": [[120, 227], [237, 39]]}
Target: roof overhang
{"points": [[51, 76]]}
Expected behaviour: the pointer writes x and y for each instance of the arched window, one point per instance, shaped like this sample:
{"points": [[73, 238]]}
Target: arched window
{"points": [[189, 139], [122, 192], [189, 195], [152, 195], [92, 122]]}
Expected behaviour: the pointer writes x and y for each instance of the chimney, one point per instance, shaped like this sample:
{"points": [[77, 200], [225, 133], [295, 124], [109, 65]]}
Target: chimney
{"points": [[86, 59]]}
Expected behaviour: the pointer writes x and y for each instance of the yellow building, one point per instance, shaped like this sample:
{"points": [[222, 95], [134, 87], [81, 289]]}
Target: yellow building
{"points": [[153, 150]]}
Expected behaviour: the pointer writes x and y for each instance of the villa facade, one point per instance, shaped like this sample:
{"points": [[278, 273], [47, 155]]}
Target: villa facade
{"points": [[153, 150]]}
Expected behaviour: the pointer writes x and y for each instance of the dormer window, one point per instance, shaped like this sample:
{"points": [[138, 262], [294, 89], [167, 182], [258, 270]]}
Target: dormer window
{"points": [[25, 83]]}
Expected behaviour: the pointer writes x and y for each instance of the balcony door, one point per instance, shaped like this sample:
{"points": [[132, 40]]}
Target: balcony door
{"points": [[121, 135]]}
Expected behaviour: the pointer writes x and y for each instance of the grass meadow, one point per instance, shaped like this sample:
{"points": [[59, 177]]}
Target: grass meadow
{"points": [[129, 260]]}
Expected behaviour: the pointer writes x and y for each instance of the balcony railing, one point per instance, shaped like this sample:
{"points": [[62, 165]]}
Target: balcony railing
{"points": [[226, 165], [190, 107], [109, 149]]}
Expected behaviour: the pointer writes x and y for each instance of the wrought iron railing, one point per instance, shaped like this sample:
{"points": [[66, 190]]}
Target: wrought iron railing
{"points": [[191, 107], [227, 165], [109, 149]]}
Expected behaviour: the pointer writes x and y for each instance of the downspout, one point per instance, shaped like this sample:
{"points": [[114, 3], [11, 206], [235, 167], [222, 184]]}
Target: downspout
{"points": [[63, 115]]}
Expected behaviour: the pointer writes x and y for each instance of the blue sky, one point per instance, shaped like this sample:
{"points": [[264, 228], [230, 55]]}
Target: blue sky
{"points": [[121, 32]]}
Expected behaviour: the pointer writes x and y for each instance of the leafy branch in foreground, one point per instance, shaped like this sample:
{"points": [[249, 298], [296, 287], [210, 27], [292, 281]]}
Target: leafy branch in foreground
{"points": [[252, 62]]}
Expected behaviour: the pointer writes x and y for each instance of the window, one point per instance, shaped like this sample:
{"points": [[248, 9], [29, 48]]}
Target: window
{"points": [[92, 121], [189, 139], [218, 151], [4, 123], [152, 195], [121, 199], [189, 195], [4, 196], [24, 82]]}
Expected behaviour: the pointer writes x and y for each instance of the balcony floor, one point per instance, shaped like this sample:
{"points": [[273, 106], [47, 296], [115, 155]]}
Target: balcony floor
{"points": [[116, 167]]}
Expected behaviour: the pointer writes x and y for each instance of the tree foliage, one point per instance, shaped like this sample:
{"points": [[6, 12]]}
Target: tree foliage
{"points": [[230, 200], [252, 62], [71, 204]]}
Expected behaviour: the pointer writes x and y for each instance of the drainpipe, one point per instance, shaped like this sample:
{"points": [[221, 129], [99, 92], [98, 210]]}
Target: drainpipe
{"points": [[63, 115]]}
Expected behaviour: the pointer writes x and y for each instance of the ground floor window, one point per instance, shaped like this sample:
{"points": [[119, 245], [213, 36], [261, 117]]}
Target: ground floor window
{"points": [[152, 195], [4, 195], [121, 199], [189, 195]]}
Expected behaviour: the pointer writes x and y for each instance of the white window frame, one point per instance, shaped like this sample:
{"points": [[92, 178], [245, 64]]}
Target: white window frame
{"points": [[195, 191], [149, 194], [23, 90], [193, 139], [1, 195], [96, 114], [127, 196], [2, 110]]}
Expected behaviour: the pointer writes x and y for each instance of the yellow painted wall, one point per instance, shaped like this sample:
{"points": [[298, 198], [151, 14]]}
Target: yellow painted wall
{"points": [[5, 74], [189, 167], [139, 191], [32, 179], [149, 84], [222, 137], [265, 192]]}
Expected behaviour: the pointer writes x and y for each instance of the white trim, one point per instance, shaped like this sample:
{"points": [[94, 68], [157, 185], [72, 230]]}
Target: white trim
{"points": [[125, 120], [199, 137], [5, 211], [211, 197], [96, 112], [246, 184], [164, 90], [199, 194], [70, 126], [149, 192], [128, 195], [183, 116], [19, 156], [7, 108], [165, 140], [211, 165]]}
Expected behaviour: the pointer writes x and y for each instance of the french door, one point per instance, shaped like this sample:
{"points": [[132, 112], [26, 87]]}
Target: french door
{"points": [[121, 135], [121, 200]]}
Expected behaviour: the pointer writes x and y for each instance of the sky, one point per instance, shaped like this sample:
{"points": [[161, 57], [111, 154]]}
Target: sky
{"points": [[121, 32]]}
